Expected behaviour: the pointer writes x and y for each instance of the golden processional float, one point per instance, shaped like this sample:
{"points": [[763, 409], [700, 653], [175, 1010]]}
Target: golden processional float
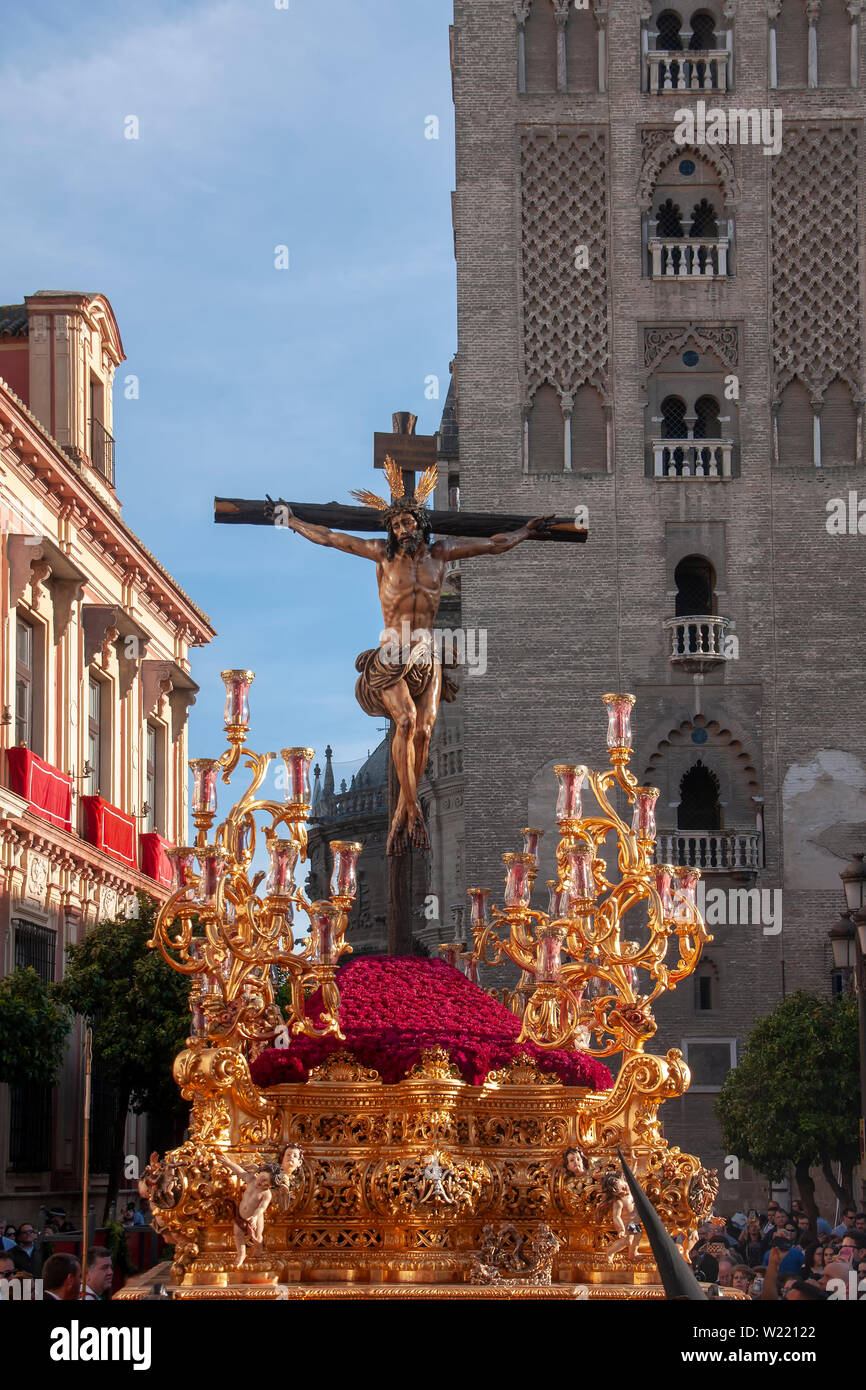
{"points": [[428, 1187]]}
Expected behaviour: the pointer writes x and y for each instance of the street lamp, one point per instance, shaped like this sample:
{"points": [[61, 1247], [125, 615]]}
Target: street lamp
{"points": [[854, 882], [844, 943], [848, 940]]}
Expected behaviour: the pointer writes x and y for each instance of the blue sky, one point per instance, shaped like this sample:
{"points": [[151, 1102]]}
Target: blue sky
{"points": [[258, 127]]}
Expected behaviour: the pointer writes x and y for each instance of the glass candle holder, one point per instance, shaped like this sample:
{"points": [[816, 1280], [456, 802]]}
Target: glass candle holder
{"points": [[204, 780], [554, 901], [578, 874], [531, 841], [344, 876], [183, 874], [323, 930], [619, 708], [212, 861], [663, 876], [297, 761], [685, 885], [549, 956], [244, 839], [644, 817], [479, 907], [569, 802], [283, 856], [517, 884], [237, 707]]}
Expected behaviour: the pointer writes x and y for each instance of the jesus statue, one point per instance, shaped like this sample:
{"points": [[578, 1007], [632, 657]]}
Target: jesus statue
{"points": [[402, 679]]}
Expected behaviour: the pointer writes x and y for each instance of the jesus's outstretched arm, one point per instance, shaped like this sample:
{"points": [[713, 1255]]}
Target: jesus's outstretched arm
{"points": [[492, 545], [337, 540]]}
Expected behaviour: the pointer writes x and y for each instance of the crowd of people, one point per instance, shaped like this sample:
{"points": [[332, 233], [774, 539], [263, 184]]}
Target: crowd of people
{"points": [[60, 1274], [25, 1256], [771, 1255], [782, 1254]]}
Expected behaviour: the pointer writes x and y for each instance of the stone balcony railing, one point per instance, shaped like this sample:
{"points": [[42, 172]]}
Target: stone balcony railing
{"points": [[712, 851], [698, 641], [688, 258], [688, 70], [692, 458]]}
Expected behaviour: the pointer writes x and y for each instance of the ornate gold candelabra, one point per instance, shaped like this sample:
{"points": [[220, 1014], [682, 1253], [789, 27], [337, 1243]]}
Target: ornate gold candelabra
{"points": [[216, 928], [400, 1183], [585, 982]]}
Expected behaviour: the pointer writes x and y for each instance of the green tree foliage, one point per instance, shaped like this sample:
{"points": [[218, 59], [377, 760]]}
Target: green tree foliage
{"points": [[33, 1029], [138, 1009], [793, 1099]]}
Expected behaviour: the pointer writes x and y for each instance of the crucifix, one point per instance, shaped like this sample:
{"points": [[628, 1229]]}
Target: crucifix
{"points": [[402, 678]]}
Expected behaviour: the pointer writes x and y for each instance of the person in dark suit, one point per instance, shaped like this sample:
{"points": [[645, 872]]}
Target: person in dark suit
{"points": [[25, 1254], [61, 1278], [100, 1273]]}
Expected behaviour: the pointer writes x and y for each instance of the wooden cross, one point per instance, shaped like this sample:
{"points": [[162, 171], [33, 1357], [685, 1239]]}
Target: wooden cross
{"points": [[412, 453]]}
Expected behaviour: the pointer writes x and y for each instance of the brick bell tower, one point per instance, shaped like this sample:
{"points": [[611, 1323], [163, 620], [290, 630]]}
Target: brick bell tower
{"points": [[667, 331]]}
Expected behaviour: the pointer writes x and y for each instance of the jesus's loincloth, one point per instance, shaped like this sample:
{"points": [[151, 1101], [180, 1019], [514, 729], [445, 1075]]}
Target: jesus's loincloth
{"points": [[378, 675]]}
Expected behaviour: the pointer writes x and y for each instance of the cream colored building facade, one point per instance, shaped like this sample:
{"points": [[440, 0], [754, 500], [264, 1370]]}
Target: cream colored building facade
{"points": [[95, 690]]}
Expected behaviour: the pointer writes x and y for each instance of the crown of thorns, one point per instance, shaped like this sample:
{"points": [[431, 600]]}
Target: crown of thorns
{"points": [[399, 502]]}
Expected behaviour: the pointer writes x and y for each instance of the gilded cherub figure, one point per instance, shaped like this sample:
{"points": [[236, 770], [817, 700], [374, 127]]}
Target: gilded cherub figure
{"points": [[248, 1213], [617, 1211]]}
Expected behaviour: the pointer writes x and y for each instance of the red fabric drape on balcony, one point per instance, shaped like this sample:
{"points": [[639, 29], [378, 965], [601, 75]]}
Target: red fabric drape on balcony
{"points": [[48, 790], [153, 858], [110, 829]]}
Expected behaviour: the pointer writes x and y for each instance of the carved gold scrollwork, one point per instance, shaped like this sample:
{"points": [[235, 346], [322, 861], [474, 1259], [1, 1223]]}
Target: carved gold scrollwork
{"points": [[438, 1185]]}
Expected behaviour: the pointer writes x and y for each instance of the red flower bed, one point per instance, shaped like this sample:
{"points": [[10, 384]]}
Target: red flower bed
{"points": [[392, 1006]]}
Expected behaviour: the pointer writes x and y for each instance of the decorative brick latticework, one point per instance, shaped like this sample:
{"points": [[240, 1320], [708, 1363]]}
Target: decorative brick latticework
{"points": [[565, 308], [815, 260]]}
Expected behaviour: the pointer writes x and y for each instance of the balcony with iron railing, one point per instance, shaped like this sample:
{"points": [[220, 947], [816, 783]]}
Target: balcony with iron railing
{"points": [[688, 70], [102, 451], [692, 458], [699, 642], [688, 258], [712, 851]]}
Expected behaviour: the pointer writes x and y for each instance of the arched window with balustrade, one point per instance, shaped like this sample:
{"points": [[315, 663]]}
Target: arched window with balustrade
{"points": [[687, 227], [686, 50], [686, 402]]}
